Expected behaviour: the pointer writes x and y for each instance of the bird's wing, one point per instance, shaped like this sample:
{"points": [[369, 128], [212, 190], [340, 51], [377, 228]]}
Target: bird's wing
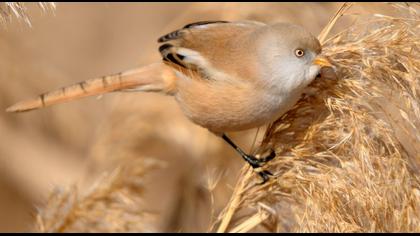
{"points": [[201, 48], [212, 49]]}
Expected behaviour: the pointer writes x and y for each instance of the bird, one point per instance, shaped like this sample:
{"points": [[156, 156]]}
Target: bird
{"points": [[226, 76]]}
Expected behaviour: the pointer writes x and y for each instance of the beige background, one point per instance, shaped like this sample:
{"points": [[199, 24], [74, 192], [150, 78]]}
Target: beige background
{"points": [[74, 142]]}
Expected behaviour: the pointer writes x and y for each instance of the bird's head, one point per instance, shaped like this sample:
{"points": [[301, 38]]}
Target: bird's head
{"points": [[294, 58]]}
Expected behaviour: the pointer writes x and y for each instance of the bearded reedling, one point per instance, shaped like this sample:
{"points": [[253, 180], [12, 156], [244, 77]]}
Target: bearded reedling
{"points": [[225, 76]]}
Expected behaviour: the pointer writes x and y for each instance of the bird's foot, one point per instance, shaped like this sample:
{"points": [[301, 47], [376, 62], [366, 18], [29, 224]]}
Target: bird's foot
{"points": [[257, 165]]}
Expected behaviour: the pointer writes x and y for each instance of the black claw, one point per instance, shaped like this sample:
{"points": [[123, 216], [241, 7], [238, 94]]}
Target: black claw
{"points": [[265, 175], [260, 162], [269, 157], [253, 161]]}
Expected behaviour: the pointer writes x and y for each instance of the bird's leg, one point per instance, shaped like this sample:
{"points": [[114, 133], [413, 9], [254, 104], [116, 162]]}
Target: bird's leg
{"points": [[253, 161]]}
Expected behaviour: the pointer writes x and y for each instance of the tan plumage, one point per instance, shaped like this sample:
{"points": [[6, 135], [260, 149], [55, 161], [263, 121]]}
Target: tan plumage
{"points": [[225, 80], [226, 85], [226, 76], [155, 77]]}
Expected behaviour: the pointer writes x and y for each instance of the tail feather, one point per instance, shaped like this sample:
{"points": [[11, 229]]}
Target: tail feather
{"points": [[155, 77]]}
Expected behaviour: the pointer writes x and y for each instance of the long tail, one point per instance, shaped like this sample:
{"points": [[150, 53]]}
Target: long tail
{"points": [[155, 77]]}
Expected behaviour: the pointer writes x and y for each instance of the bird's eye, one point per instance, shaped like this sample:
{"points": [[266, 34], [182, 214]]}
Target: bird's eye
{"points": [[299, 52]]}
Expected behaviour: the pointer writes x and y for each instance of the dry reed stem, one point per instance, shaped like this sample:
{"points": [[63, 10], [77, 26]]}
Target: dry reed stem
{"points": [[347, 153], [233, 203], [324, 33], [250, 222], [112, 204]]}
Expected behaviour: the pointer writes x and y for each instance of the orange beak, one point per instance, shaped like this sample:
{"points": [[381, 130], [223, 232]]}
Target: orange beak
{"points": [[322, 61]]}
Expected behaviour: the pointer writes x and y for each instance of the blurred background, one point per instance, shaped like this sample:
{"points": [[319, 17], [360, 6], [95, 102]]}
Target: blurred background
{"points": [[74, 143]]}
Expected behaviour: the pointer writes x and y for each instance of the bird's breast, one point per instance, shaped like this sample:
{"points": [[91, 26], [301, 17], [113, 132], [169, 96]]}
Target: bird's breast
{"points": [[223, 108]]}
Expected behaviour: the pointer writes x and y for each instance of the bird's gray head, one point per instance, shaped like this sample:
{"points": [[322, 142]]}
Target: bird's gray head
{"points": [[291, 54]]}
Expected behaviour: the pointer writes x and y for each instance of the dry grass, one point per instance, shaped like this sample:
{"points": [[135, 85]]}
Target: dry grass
{"points": [[347, 154], [8, 10], [113, 204]]}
